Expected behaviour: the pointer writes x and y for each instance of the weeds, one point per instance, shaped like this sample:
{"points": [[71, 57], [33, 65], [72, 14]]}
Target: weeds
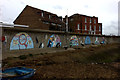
{"points": [[31, 55], [22, 57]]}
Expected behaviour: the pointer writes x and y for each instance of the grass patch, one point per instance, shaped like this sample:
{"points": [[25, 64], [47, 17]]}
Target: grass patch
{"points": [[45, 53], [31, 55], [41, 53], [107, 56], [103, 56], [22, 57]]}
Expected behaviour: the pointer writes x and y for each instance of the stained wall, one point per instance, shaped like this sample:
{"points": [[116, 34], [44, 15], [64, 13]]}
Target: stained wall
{"points": [[23, 38]]}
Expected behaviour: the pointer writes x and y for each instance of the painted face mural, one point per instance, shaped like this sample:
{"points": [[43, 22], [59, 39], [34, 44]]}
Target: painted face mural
{"points": [[21, 41], [87, 40], [74, 41], [54, 41], [96, 41]]}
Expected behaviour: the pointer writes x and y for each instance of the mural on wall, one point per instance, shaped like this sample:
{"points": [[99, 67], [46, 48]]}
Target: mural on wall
{"points": [[54, 41], [96, 41], [3, 39], [74, 41], [103, 40], [36, 40], [87, 40], [21, 41], [41, 45]]}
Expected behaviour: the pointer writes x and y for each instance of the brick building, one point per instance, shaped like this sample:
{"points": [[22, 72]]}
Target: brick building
{"points": [[40, 19], [84, 24]]}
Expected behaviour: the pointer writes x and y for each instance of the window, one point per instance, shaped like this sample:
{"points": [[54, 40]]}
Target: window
{"points": [[90, 28], [53, 24], [85, 20], [85, 27], [60, 19], [94, 20], [49, 17], [78, 26], [71, 19], [59, 25], [94, 28], [45, 22], [94, 33], [90, 20], [89, 32], [99, 28], [42, 14]]}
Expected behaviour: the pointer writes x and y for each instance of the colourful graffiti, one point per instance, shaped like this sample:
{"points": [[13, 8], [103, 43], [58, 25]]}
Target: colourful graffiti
{"points": [[96, 41], [103, 40], [87, 40], [21, 41], [3, 38], [54, 41], [41, 45], [74, 41]]}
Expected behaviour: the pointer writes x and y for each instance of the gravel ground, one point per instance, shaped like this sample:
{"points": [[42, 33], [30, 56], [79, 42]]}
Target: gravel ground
{"points": [[68, 64]]}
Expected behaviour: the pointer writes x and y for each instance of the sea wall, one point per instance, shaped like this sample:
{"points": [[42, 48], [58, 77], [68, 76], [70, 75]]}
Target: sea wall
{"points": [[24, 38]]}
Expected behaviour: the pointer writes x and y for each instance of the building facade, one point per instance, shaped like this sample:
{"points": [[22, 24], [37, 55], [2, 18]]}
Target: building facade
{"points": [[40, 19], [84, 24]]}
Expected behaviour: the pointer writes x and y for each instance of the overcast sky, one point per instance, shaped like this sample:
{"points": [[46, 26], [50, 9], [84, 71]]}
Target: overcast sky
{"points": [[105, 10]]}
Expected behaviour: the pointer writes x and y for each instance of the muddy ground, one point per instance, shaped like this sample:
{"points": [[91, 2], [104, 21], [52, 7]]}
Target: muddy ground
{"points": [[94, 62]]}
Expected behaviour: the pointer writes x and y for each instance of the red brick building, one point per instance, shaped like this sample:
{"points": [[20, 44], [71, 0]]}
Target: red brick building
{"points": [[84, 24], [40, 19]]}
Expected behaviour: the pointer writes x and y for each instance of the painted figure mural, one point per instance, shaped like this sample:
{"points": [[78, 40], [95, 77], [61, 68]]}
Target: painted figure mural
{"points": [[96, 41], [21, 41], [87, 40], [74, 41], [54, 41], [103, 40], [41, 45]]}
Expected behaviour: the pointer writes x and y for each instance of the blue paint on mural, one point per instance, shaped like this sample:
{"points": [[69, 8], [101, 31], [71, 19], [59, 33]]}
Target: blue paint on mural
{"points": [[21, 41], [103, 40], [74, 41], [87, 40], [54, 41]]}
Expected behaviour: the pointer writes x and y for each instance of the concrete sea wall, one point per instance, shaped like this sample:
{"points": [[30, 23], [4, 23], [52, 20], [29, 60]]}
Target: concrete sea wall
{"points": [[24, 38]]}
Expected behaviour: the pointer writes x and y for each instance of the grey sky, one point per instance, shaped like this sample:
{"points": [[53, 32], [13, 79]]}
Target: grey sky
{"points": [[105, 10]]}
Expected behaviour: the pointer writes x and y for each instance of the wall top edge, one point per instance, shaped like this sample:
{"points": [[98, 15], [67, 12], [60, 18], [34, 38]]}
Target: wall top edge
{"points": [[48, 31]]}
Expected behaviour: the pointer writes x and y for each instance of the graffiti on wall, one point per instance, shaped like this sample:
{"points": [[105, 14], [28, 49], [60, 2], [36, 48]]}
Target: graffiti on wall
{"points": [[87, 40], [54, 41], [21, 41], [3, 39], [96, 40], [36, 40], [103, 40], [41, 45], [74, 41]]}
